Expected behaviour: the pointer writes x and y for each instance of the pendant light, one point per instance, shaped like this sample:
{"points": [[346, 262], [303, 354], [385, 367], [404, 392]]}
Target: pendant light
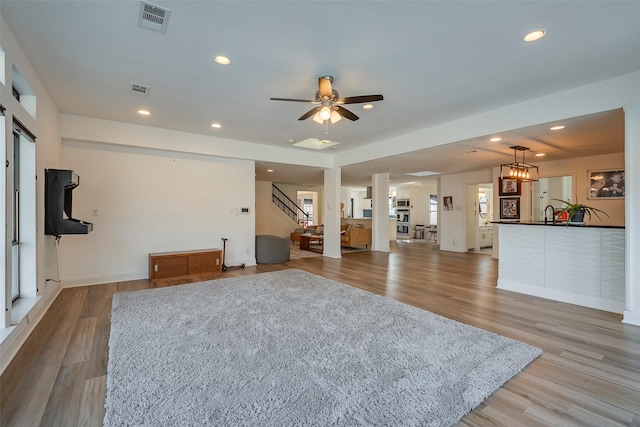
{"points": [[520, 171]]}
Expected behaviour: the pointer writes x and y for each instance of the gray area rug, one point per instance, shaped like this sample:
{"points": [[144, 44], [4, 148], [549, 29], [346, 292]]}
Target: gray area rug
{"points": [[291, 348]]}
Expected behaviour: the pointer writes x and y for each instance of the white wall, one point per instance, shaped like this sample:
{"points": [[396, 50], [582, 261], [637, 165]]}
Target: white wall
{"points": [[578, 168], [291, 190], [153, 201], [269, 218], [48, 153], [452, 229], [420, 203]]}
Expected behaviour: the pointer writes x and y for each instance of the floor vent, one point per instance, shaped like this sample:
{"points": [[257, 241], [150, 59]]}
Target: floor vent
{"points": [[139, 89], [153, 17]]}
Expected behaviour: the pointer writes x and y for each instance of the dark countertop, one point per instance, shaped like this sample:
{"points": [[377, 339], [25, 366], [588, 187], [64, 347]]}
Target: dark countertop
{"points": [[559, 224]]}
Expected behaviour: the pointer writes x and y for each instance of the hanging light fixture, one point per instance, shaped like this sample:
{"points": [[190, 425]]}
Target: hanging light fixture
{"points": [[327, 113], [519, 171]]}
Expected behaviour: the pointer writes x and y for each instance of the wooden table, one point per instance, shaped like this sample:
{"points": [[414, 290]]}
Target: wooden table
{"points": [[305, 243]]}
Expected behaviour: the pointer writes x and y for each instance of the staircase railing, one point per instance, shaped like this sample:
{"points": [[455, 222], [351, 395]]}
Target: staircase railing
{"points": [[288, 206]]}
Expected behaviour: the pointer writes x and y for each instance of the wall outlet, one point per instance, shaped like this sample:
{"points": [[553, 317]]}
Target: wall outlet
{"points": [[455, 242], [94, 212], [246, 251], [217, 261]]}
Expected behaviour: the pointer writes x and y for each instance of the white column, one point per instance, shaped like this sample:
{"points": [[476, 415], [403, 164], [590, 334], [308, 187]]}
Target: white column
{"points": [[332, 184], [380, 214], [632, 212]]}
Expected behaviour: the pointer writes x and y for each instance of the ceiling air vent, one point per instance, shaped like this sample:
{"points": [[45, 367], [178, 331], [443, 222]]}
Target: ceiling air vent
{"points": [[139, 89], [153, 17]]}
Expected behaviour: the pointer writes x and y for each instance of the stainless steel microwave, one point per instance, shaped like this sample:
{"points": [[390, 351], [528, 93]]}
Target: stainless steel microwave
{"points": [[403, 203]]}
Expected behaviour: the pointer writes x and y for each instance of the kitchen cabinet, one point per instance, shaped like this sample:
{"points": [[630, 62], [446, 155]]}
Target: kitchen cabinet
{"points": [[486, 237]]}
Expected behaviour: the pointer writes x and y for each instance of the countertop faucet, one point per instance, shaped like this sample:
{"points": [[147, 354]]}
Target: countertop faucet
{"points": [[553, 214]]}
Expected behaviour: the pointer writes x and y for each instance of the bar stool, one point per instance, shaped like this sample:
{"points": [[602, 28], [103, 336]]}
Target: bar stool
{"points": [[433, 234]]}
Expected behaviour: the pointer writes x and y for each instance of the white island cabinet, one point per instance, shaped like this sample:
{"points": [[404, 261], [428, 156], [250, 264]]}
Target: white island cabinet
{"points": [[582, 265]]}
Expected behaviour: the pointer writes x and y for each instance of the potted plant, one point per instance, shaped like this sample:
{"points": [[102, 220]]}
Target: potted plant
{"points": [[577, 211]]}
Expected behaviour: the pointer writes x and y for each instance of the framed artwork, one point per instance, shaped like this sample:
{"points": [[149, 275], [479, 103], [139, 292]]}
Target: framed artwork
{"points": [[606, 184], [447, 202], [510, 208], [510, 187]]}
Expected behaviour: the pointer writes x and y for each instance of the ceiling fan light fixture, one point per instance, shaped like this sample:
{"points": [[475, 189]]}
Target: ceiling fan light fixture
{"points": [[325, 113], [335, 117], [317, 118]]}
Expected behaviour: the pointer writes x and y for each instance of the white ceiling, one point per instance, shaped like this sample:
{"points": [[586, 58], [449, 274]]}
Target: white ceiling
{"points": [[433, 61]]}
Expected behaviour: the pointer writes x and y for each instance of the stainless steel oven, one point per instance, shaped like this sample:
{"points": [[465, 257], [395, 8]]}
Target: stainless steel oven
{"points": [[402, 216], [402, 229]]}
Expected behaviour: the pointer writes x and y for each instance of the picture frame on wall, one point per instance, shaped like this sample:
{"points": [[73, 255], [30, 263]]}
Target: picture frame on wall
{"points": [[510, 187], [606, 184], [510, 208], [447, 202]]}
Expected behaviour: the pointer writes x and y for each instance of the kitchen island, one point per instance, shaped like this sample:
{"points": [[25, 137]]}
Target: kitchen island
{"points": [[582, 265]]}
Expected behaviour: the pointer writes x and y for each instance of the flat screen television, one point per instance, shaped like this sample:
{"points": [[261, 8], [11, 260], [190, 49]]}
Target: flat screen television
{"points": [[58, 203]]}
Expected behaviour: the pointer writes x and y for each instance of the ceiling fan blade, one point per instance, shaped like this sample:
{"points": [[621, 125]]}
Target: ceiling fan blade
{"points": [[360, 99], [309, 113], [293, 100], [346, 113], [324, 86]]}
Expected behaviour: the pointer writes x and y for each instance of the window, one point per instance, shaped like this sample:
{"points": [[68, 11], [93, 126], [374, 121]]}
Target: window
{"points": [[14, 218], [433, 209], [392, 208], [21, 213], [308, 209]]}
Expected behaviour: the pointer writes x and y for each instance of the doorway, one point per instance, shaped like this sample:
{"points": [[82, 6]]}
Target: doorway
{"points": [[479, 215]]}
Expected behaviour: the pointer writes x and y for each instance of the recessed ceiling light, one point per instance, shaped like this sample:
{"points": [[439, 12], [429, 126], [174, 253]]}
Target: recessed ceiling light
{"points": [[534, 35], [540, 154], [557, 127], [216, 125], [222, 60], [367, 106], [495, 139], [144, 112]]}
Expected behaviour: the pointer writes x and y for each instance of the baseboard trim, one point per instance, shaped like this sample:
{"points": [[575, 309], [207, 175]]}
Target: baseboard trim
{"points": [[631, 318], [98, 280], [562, 296], [451, 249]]}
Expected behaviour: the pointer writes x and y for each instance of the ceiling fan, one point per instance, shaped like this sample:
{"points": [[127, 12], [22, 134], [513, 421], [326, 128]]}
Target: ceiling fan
{"points": [[329, 104]]}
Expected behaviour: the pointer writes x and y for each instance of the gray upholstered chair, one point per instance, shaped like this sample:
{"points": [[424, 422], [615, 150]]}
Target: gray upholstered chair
{"points": [[272, 249]]}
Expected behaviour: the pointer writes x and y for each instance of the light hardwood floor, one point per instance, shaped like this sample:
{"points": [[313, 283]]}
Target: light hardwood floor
{"points": [[589, 373]]}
